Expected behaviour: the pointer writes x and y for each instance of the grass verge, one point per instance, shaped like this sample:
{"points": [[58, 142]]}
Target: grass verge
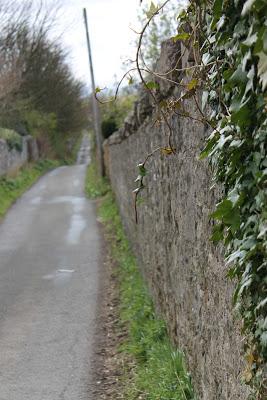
{"points": [[11, 188], [158, 371], [95, 186]]}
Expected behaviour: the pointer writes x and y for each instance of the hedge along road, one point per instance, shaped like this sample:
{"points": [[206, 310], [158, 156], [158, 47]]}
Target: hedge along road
{"points": [[49, 275]]}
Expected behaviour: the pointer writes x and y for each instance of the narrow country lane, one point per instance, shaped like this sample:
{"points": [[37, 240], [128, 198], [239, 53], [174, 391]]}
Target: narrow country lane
{"points": [[49, 272]]}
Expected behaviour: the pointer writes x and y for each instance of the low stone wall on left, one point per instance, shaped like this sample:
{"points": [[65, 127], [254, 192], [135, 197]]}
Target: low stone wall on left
{"points": [[12, 158]]}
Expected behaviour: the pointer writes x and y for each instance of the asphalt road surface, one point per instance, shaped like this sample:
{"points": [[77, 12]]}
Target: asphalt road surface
{"points": [[49, 273]]}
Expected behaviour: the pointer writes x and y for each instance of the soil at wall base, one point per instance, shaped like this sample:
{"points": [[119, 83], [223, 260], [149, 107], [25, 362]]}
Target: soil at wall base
{"points": [[108, 364]]}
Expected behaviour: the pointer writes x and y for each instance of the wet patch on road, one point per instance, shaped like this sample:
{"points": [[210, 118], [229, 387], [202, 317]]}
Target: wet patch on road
{"points": [[77, 226], [60, 276]]}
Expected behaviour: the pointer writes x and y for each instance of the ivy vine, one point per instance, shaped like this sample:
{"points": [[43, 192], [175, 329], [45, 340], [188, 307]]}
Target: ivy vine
{"points": [[235, 36]]}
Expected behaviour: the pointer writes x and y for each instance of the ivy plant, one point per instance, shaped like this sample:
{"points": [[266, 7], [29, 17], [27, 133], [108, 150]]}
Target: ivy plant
{"points": [[235, 37]]}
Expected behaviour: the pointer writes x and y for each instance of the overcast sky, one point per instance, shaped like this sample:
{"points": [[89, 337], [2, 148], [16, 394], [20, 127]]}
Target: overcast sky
{"points": [[110, 33]]}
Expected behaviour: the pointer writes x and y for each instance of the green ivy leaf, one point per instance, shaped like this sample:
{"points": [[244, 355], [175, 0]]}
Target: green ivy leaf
{"points": [[139, 178], [262, 69], [217, 8], [142, 170], [152, 85], [167, 151], [236, 255], [220, 23], [251, 40], [181, 36], [241, 113], [247, 7], [209, 147], [261, 304], [233, 196], [262, 231], [153, 9], [238, 76], [264, 41], [223, 139], [264, 339], [192, 84], [204, 99], [137, 190], [223, 208], [217, 233], [207, 58]]}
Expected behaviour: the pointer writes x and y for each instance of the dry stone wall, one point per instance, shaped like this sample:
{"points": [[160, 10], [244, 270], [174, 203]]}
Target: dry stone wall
{"points": [[12, 159], [185, 273]]}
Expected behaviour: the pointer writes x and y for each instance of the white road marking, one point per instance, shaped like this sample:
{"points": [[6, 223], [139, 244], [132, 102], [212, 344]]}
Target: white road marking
{"points": [[77, 226]]}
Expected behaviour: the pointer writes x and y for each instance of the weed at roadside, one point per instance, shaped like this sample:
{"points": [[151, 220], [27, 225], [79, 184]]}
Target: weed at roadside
{"points": [[11, 188], [95, 186]]}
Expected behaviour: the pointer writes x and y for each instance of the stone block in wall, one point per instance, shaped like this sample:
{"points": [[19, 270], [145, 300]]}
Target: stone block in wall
{"points": [[32, 147], [3, 157], [12, 159], [16, 158], [106, 157], [166, 67]]}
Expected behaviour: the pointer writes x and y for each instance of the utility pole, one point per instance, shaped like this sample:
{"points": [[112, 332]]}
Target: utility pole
{"points": [[97, 126]]}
